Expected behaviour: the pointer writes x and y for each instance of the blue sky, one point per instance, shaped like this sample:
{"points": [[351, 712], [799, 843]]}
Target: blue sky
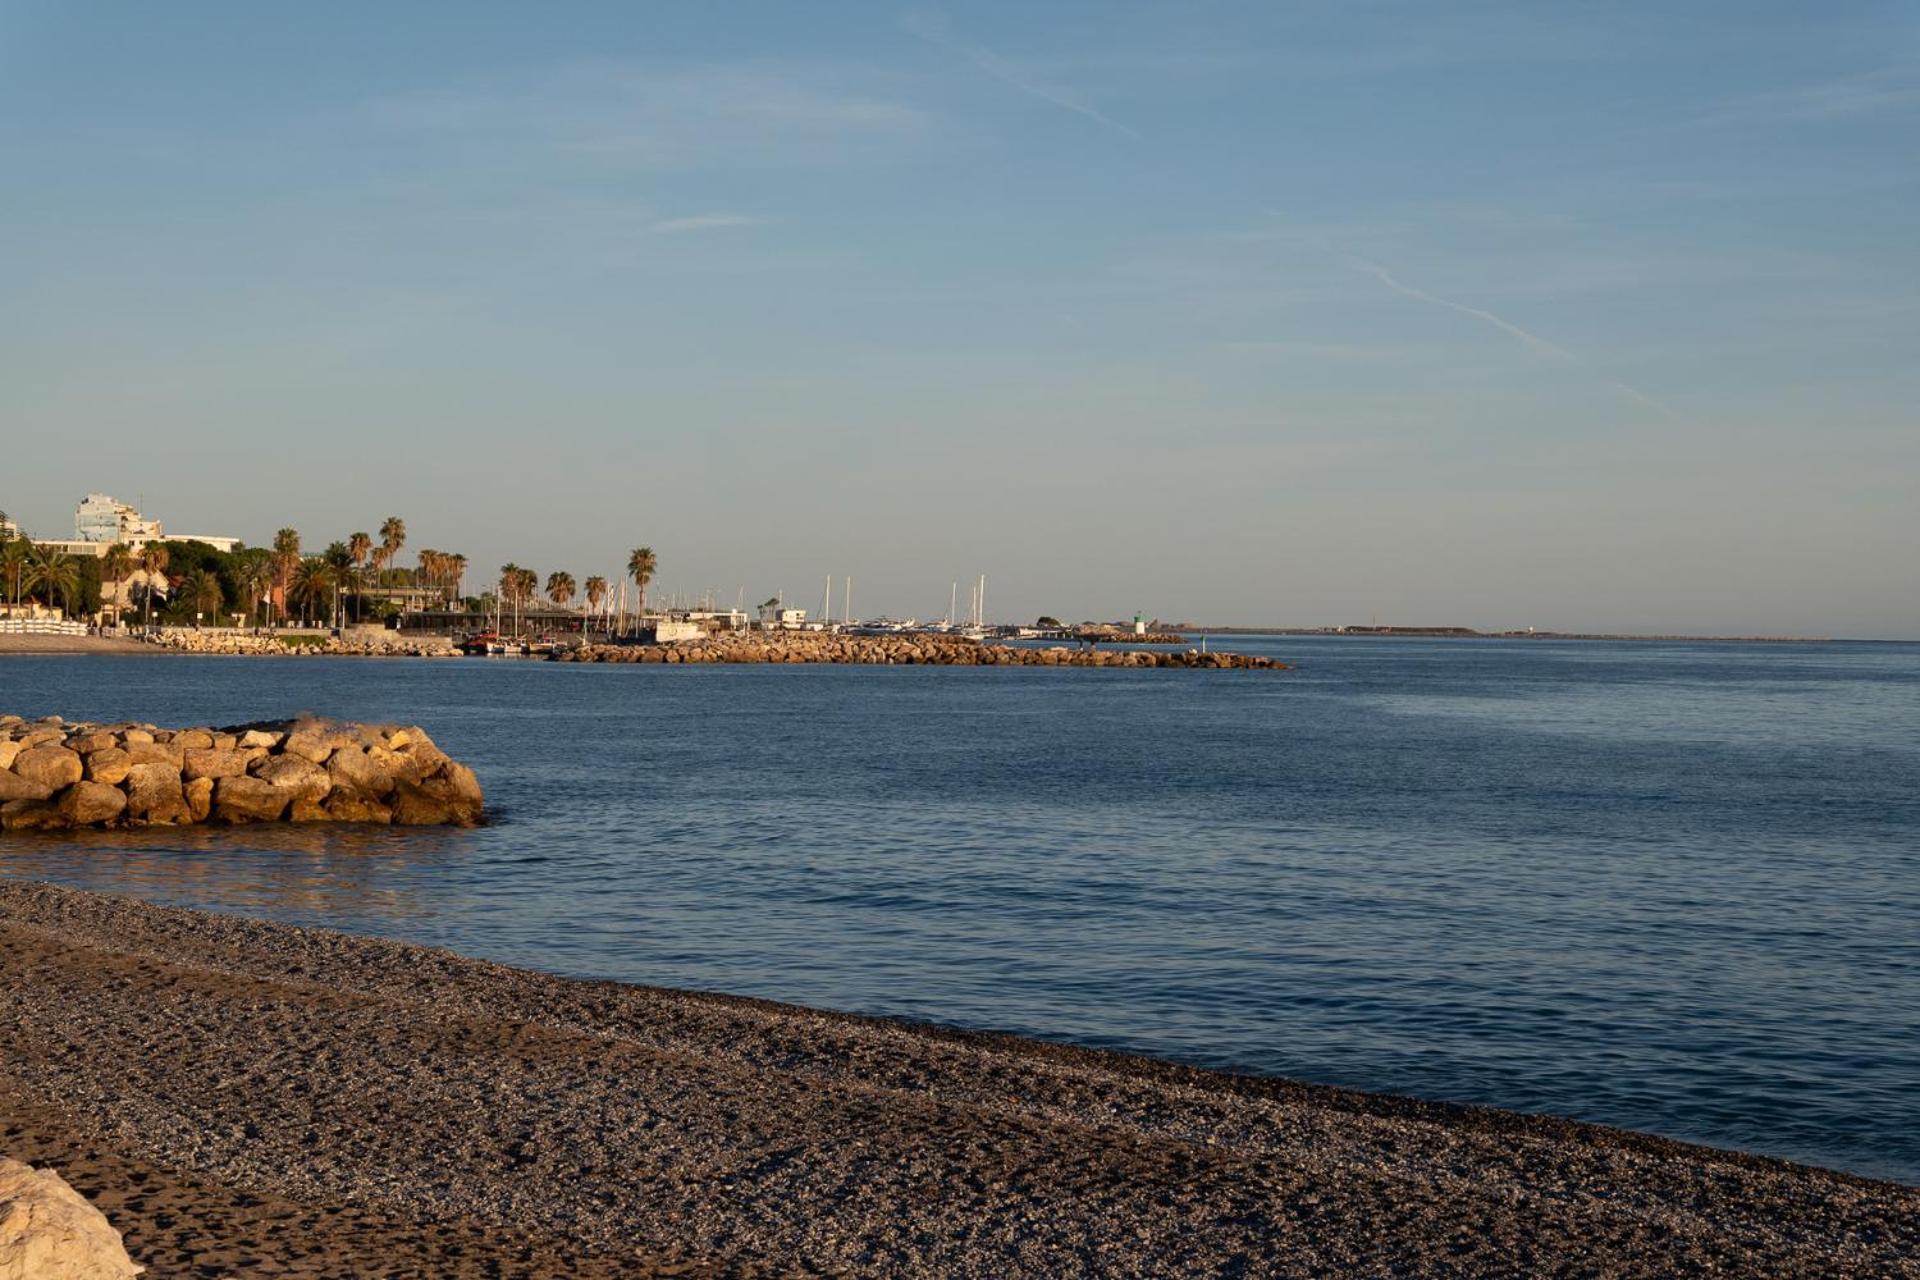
{"points": [[1577, 316]]}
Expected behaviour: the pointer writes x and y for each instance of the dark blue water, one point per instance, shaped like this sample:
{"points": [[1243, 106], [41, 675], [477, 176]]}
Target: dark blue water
{"points": [[1670, 887]]}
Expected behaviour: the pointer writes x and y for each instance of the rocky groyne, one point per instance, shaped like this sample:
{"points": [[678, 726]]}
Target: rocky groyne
{"points": [[910, 649], [305, 645], [56, 776]]}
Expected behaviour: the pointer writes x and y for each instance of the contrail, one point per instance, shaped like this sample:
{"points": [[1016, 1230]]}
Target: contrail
{"points": [[934, 31], [1533, 341]]}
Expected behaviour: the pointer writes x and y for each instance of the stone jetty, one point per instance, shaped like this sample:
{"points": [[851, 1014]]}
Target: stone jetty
{"points": [[56, 776], [907, 649], [384, 645]]}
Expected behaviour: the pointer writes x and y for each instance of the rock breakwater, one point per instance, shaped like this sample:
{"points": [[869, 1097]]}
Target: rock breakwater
{"points": [[304, 645], [56, 776], [906, 650]]}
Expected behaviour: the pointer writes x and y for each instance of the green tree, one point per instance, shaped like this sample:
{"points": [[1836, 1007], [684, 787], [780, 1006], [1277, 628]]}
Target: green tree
{"points": [[55, 573], [560, 588], [313, 585], [16, 555], [286, 565], [393, 536], [200, 593], [153, 564], [254, 579], [116, 566]]}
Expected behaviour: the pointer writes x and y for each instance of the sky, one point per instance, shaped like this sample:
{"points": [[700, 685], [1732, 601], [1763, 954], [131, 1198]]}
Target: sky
{"points": [[1579, 316]]}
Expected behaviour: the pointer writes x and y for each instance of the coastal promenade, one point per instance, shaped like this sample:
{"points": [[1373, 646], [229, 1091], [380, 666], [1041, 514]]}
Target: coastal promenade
{"points": [[248, 1098]]}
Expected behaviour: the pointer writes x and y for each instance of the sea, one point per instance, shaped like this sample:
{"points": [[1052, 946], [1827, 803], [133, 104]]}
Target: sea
{"points": [[1672, 887]]}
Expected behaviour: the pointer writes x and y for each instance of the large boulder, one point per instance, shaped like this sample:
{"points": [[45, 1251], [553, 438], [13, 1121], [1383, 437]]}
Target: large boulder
{"points": [[212, 762], [48, 1231], [50, 766], [316, 742], [356, 769], [352, 806], [163, 753], [298, 776], [432, 803], [87, 804], [199, 797], [250, 800], [108, 765], [15, 787], [32, 815], [154, 795]]}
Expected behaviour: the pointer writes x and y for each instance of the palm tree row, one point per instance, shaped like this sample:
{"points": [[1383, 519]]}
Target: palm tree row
{"points": [[281, 581]]}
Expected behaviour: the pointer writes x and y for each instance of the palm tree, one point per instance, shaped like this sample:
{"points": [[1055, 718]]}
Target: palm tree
{"points": [[339, 558], [286, 564], [55, 571], [640, 567], [360, 546], [153, 563], [560, 588], [15, 555], [596, 593], [313, 580], [457, 571], [115, 567], [201, 590], [393, 536], [254, 576]]}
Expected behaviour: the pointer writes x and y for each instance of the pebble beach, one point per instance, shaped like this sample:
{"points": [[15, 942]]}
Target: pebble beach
{"points": [[248, 1098]]}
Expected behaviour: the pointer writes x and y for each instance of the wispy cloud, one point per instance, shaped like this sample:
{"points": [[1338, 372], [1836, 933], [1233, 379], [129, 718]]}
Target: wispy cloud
{"points": [[702, 222], [637, 115], [1851, 97], [933, 29], [1532, 341]]}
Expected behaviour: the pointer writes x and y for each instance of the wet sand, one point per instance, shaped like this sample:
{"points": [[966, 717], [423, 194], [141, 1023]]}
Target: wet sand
{"points": [[251, 1099]]}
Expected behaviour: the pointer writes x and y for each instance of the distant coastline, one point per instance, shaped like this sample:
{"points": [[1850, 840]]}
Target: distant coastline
{"points": [[1470, 633]]}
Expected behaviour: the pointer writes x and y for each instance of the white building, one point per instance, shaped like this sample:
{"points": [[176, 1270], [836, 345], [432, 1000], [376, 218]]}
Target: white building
{"points": [[775, 616], [100, 519]]}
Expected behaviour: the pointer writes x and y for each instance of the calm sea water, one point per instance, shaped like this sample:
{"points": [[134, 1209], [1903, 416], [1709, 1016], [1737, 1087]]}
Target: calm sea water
{"points": [[1672, 887]]}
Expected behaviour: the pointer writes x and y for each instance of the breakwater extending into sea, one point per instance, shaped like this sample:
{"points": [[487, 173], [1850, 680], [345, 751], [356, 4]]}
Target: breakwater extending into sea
{"points": [[910, 649]]}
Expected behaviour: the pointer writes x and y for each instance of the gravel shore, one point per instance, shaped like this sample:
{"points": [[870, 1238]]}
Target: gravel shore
{"points": [[251, 1099], [11, 644]]}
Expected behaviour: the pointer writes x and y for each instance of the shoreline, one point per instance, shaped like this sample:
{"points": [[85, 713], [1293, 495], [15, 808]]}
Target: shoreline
{"points": [[333, 1103]]}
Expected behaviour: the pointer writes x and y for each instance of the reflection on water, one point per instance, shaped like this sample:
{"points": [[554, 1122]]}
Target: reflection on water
{"points": [[1666, 886], [349, 877]]}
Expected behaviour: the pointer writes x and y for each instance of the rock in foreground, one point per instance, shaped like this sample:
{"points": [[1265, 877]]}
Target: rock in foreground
{"points": [[56, 776], [48, 1231]]}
